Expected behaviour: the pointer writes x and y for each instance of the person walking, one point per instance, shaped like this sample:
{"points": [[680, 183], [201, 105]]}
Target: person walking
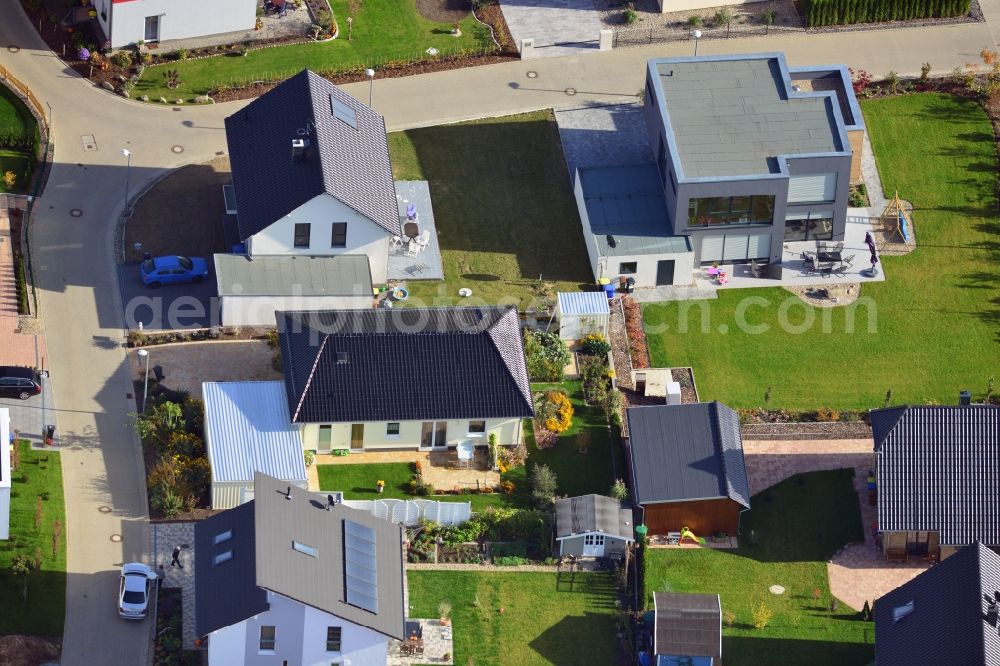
{"points": [[176, 558]]}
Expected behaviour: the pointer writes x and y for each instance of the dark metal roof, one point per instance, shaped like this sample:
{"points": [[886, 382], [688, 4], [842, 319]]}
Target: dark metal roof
{"points": [[688, 625], [405, 364], [687, 452], [942, 616], [592, 513], [320, 581], [938, 469], [349, 163], [227, 592]]}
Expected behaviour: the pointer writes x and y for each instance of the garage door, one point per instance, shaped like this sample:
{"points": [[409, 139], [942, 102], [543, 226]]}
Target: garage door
{"points": [[812, 188]]}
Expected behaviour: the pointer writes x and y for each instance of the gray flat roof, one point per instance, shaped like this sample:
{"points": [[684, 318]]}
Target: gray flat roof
{"points": [[627, 203], [342, 275], [733, 117]]}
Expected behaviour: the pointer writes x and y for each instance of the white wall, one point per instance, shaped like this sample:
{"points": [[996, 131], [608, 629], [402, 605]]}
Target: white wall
{"points": [[645, 275], [363, 235], [259, 310], [5, 473], [685, 5], [179, 19], [508, 431], [300, 638]]}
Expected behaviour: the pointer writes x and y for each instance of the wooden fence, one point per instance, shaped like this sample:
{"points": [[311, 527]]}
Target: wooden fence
{"points": [[25, 92]]}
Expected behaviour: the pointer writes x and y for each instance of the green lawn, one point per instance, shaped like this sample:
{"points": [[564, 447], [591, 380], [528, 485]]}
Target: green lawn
{"points": [[20, 165], [503, 208], [40, 475], [545, 619], [384, 31], [15, 121], [580, 473], [358, 482], [935, 317], [797, 524]]}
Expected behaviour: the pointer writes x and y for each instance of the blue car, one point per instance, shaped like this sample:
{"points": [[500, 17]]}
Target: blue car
{"points": [[174, 269]]}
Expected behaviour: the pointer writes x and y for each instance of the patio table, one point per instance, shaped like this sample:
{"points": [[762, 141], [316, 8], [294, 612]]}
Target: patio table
{"points": [[831, 256]]}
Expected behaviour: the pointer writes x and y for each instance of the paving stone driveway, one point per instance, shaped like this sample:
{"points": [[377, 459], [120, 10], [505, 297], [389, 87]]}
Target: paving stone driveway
{"points": [[857, 573], [554, 22]]}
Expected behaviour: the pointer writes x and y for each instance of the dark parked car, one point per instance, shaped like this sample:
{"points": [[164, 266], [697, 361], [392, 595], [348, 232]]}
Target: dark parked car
{"points": [[18, 382]]}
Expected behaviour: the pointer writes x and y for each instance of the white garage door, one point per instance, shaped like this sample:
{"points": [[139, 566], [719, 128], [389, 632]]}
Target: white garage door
{"points": [[812, 188]]}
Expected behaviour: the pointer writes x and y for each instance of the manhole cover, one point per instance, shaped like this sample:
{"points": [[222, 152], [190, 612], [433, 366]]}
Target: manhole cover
{"points": [[532, 74], [175, 109], [116, 538], [76, 212], [177, 149], [13, 49], [570, 91], [776, 589], [104, 509]]}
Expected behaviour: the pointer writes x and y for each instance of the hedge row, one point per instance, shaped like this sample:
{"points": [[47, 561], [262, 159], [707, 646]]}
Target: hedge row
{"points": [[839, 12]]}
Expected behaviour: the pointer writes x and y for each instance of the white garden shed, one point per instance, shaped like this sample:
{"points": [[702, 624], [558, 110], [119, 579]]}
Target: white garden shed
{"points": [[581, 313]]}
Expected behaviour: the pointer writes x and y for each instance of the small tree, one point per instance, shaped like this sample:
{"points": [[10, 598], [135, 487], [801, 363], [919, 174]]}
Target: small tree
{"points": [[761, 615], [619, 490], [723, 17], [729, 617], [695, 21], [9, 179], [543, 486], [925, 71], [21, 566]]}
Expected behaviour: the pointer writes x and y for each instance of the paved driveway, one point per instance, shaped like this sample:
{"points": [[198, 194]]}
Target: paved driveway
{"points": [[171, 307], [29, 417], [572, 24]]}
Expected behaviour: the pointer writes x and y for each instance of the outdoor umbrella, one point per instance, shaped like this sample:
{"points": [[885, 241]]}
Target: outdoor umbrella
{"points": [[870, 242]]}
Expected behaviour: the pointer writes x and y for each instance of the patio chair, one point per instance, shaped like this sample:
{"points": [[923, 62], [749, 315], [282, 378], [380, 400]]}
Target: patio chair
{"points": [[758, 270], [423, 239], [848, 260], [412, 249]]}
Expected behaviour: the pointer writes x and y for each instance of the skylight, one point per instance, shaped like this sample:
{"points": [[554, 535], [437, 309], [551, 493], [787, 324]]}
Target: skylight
{"points": [[360, 576], [305, 549], [343, 112], [223, 557], [223, 536], [899, 612]]}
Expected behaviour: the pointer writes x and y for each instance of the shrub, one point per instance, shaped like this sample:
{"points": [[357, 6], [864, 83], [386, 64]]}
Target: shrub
{"points": [[546, 356], [613, 404], [629, 16], [595, 344], [729, 617], [695, 21], [892, 81], [122, 59], [308, 458], [839, 12], [825, 415], [544, 438], [83, 54], [619, 490], [9, 179], [271, 337], [182, 54], [543, 485], [858, 196], [761, 615], [925, 71], [185, 444], [555, 411], [510, 561], [723, 17], [146, 58], [507, 487], [165, 500], [860, 81], [768, 17], [594, 373]]}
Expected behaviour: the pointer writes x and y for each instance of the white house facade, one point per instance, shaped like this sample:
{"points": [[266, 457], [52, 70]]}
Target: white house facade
{"points": [[419, 435], [126, 22]]}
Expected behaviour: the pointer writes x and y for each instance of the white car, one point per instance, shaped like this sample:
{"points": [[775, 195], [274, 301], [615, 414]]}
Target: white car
{"points": [[134, 590]]}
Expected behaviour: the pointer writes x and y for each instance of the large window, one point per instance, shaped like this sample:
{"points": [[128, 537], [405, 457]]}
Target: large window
{"points": [[266, 639], [333, 640], [721, 211], [809, 226], [302, 234], [339, 238]]}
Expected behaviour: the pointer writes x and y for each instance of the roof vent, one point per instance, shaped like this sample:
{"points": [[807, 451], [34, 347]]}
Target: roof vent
{"points": [[611, 241], [333, 500], [288, 493], [299, 148], [899, 612], [341, 358], [964, 398]]}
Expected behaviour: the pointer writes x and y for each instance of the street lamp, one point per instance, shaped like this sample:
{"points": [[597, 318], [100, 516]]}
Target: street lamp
{"points": [[128, 167], [370, 73], [696, 34], [144, 357]]}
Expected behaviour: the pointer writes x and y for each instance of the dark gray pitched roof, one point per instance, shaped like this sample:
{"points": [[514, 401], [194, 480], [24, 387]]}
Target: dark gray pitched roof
{"points": [[948, 622], [227, 592], [687, 452], [688, 625], [938, 469], [349, 163], [404, 364], [592, 513], [320, 581]]}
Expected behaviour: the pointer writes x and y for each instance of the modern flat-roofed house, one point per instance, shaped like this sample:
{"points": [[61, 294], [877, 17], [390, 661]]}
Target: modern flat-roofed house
{"points": [[593, 526], [688, 468], [937, 470], [687, 629], [126, 22], [408, 378], [286, 578], [748, 154], [947, 615]]}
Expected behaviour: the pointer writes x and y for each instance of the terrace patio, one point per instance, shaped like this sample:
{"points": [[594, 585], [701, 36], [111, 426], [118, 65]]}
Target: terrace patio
{"points": [[410, 260], [441, 469]]}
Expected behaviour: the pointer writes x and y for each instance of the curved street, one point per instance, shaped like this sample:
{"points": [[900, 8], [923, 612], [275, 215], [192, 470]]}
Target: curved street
{"points": [[77, 284]]}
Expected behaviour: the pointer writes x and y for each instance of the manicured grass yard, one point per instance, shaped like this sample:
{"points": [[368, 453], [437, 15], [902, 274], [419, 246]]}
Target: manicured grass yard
{"points": [[15, 121], [503, 207], [580, 473], [937, 312], [40, 474], [797, 525], [18, 163], [546, 620], [384, 31]]}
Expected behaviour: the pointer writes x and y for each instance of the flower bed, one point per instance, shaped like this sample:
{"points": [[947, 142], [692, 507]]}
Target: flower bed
{"points": [[638, 351]]}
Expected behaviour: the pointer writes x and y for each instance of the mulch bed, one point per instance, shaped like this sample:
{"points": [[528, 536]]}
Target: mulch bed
{"points": [[16, 650], [443, 11], [685, 377], [807, 430]]}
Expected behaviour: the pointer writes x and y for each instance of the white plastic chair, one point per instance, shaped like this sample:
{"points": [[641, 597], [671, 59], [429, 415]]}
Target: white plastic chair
{"points": [[423, 240]]}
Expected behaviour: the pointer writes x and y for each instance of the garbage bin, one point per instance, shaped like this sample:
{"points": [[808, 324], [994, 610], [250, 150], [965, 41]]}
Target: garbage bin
{"points": [[50, 433], [629, 285], [609, 290]]}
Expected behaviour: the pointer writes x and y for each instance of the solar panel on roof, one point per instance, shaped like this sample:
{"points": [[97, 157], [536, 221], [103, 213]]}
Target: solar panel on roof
{"points": [[343, 112], [360, 576]]}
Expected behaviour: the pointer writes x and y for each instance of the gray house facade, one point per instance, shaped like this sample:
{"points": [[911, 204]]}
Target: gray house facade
{"points": [[593, 526], [747, 154]]}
